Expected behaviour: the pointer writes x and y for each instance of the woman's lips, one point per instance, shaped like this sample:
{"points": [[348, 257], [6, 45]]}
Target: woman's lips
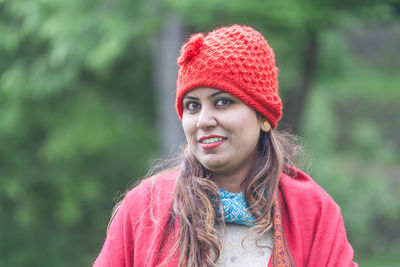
{"points": [[212, 141], [211, 145]]}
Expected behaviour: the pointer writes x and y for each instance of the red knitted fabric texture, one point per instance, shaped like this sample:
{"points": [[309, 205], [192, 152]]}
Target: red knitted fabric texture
{"points": [[237, 60]]}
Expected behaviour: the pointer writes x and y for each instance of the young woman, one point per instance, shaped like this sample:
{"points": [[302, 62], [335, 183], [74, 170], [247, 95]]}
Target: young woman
{"points": [[235, 198]]}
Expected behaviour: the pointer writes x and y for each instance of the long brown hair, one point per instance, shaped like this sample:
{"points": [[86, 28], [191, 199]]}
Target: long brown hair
{"points": [[199, 243]]}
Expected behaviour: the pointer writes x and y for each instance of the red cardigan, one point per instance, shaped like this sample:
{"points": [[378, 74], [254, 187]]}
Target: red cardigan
{"points": [[312, 223]]}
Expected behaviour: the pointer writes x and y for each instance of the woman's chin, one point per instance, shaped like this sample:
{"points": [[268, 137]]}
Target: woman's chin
{"points": [[213, 164]]}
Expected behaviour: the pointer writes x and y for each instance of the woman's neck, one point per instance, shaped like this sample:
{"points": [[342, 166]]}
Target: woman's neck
{"points": [[230, 182]]}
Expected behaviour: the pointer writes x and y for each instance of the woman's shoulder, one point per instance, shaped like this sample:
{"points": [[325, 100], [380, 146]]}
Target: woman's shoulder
{"points": [[152, 196], [159, 184], [150, 200], [162, 180], [313, 223], [301, 190]]}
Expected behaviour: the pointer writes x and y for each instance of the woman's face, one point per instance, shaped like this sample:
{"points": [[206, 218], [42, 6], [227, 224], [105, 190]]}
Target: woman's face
{"points": [[221, 130]]}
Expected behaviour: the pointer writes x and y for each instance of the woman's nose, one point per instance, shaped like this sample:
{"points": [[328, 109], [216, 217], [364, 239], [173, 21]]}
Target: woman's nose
{"points": [[206, 119]]}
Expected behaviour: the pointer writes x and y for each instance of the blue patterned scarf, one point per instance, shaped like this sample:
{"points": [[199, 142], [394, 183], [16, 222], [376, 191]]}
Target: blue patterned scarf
{"points": [[235, 208]]}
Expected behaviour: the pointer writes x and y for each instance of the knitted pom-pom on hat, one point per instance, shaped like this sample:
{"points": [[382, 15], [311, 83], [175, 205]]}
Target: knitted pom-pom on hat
{"points": [[237, 60], [191, 49]]}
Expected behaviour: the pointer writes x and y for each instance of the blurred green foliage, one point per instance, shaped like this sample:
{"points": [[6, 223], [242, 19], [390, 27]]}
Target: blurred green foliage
{"points": [[76, 124], [77, 112], [351, 129]]}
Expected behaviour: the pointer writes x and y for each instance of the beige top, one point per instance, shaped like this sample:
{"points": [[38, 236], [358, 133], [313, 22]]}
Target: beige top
{"points": [[234, 255]]}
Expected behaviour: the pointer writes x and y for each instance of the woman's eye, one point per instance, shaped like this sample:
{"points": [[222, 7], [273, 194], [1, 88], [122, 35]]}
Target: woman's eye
{"points": [[223, 102], [192, 105]]}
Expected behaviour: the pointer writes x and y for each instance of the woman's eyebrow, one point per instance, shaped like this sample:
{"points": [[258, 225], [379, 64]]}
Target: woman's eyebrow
{"points": [[190, 97], [211, 96], [217, 93]]}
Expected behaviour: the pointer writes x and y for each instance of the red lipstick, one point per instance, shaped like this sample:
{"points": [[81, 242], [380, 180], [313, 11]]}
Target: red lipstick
{"points": [[214, 143]]}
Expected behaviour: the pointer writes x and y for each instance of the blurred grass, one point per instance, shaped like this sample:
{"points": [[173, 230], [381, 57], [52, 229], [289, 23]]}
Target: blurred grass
{"points": [[389, 259]]}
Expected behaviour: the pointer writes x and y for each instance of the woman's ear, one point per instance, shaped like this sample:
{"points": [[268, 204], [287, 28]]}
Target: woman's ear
{"points": [[265, 126]]}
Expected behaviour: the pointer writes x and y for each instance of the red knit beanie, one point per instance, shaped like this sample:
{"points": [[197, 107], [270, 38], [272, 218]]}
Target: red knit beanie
{"points": [[237, 60]]}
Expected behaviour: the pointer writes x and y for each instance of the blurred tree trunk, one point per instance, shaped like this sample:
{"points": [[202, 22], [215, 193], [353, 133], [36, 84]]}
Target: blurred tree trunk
{"points": [[295, 103], [166, 71]]}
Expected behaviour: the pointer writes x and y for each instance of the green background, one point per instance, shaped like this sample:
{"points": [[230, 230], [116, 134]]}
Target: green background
{"points": [[78, 112]]}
